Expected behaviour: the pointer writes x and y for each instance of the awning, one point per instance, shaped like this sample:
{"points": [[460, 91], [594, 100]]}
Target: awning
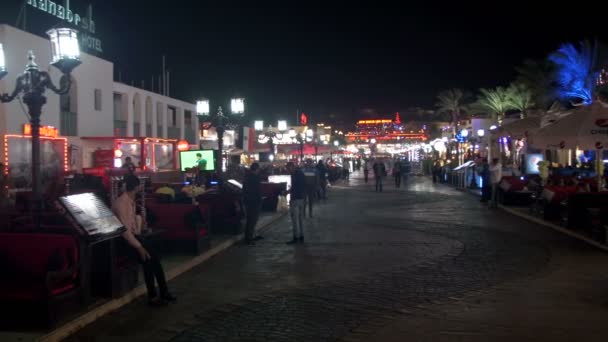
{"points": [[520, 128]]}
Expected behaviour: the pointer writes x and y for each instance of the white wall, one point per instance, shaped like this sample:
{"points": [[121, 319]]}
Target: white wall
{"points": [[131, 115]]}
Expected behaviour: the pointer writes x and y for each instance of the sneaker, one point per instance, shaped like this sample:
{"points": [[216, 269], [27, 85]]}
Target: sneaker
{"points": [[292, 242], [156, 302], [169, 298]]}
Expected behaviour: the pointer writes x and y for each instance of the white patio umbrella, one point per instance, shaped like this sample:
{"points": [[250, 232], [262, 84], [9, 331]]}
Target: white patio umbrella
{"points": [[586, 128], [520, 128]]}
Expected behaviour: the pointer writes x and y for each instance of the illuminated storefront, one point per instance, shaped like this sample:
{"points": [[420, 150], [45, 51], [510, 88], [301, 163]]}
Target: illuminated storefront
{"points": [[17, 153]]}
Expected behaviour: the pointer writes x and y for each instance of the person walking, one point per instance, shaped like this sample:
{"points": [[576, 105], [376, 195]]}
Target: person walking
{"points": [[366, 172], [125, 210], [397, 173], [486, 184], [436, 171], [296, 202], [252, 196], [322, 173], [495, 177], [379, 173]]}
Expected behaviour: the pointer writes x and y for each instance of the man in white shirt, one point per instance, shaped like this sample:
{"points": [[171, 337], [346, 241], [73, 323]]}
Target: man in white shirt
{"points": [[495, 177], [124, 209]]}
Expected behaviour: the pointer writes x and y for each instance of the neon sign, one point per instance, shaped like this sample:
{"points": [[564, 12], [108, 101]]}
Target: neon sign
{"points": [[45, 131]]}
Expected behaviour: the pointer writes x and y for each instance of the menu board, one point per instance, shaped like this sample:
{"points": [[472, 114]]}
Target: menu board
{"points": [[92, 215]]}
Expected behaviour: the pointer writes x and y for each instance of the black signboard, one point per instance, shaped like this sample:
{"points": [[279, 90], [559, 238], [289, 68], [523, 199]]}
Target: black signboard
{"points": [[92, 215]]}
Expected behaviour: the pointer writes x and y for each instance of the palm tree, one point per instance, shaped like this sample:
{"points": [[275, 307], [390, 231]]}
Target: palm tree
{"points": [[452, 102], [576, 72], [520, 97], [537, 76], [494, 101]]}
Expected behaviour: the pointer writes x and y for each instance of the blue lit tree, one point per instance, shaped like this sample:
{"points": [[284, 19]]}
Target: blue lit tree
{"points": [[576, 72]]}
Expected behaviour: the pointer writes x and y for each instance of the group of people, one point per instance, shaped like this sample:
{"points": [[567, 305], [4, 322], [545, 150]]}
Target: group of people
{"points": [[490, 174], [308, 183], [400, 169]]}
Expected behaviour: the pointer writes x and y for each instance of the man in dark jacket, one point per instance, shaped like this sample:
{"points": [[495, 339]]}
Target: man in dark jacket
{"points": [[296, 202], [252, 196]]}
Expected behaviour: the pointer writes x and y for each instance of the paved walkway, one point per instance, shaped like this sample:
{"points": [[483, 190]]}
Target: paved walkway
{"points": [[423, 262]]}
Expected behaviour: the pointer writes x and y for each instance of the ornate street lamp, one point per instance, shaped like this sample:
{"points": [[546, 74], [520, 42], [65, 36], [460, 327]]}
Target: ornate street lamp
{"points": [[32, 84], [269, 136], [221, 121], [299, 138]]}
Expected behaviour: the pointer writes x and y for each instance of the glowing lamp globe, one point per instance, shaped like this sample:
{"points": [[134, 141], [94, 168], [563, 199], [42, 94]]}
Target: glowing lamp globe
{"points": [[282, 125], [481, 132], [65, 51], [464, 132], [237, 106], [258, 125], [202, 107]]}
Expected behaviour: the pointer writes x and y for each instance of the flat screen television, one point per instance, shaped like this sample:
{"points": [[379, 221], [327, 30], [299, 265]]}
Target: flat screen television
{"points": [[189, 159]]}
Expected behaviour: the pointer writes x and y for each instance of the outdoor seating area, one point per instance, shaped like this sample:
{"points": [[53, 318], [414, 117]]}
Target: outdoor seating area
{"points": [[53, 264]]}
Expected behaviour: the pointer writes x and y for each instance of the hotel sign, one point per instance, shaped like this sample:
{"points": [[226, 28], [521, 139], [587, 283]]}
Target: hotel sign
{"points": [[65, 13]]}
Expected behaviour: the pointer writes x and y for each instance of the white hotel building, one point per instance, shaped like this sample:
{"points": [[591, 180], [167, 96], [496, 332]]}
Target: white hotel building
{"points": [[96, 105]]}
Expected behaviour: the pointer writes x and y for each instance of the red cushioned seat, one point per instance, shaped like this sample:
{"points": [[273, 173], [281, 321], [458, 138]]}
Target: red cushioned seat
{"points": [[29, 259], [181, 223]]}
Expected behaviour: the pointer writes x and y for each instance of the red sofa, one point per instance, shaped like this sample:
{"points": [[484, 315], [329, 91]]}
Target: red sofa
{"points": [[511, 190], [38, 270], [226, 211], [270, 195], [184, 226]]}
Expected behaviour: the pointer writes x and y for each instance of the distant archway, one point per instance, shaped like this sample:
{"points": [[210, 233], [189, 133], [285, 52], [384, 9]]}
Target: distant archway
{"points": [[68, 111], [160, 119], [148, 117], [138, 129]]}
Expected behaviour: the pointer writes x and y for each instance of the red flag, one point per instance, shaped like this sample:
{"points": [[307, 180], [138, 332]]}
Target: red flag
{"points": [[303, 119]]}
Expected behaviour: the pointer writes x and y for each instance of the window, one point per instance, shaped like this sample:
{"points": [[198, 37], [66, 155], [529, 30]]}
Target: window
{"points": [[98, 99]]}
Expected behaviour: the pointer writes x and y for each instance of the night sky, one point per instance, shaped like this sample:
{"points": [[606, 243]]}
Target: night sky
{"points": [[333, 62]]}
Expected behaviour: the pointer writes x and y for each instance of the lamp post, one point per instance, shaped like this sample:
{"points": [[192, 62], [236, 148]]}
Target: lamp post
{"points": [[270, 135], [220, 121], [299, 138], [32, 84]]}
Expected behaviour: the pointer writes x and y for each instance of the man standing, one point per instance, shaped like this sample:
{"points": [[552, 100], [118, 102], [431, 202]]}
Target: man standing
{"points": [[125, 210], [252, 196], [322, 173], [201, 165], [296, 203], [312, 184], [129, 165], [397, 173], [379, 173], [495, 177], [365, 171]]}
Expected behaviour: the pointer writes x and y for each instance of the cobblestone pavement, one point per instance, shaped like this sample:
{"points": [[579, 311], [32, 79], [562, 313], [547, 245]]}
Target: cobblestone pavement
{"points": [[374, 266]]}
